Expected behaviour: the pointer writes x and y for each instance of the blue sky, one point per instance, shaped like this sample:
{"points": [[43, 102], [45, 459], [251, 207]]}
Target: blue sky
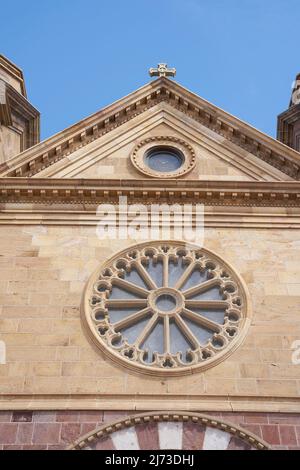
{"points": [[79, 56]]}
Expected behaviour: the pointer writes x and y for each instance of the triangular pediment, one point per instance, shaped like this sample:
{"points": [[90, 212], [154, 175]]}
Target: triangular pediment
{"points": [[101, 145], [110, 156]]}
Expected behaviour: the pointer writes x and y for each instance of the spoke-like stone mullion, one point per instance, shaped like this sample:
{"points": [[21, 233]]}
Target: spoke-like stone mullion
{"points": [[129, 286], [126, 303], [199, 319], [145, 276], [189, 269], [207, 304], [165, 271], [128, 321], [146, 331], [187, 332], [167, 344], [201, 288]]}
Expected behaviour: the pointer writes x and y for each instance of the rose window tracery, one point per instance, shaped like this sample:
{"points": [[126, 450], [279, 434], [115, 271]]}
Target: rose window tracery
{"points": [[166, 308]]}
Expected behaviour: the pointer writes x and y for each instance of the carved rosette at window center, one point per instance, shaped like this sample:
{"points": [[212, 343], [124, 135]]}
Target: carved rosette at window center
{"points": [[166, 309]]}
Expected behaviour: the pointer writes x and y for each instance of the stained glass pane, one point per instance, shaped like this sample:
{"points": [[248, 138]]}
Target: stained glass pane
{"points": [[216, 315], [116, 314], [155, 269], [201, 333], [178, 340], [175, 271], [195, 278], [211, 294], [134, 277], [132, 332], [155, 341], [163, 159], [119, 293]]}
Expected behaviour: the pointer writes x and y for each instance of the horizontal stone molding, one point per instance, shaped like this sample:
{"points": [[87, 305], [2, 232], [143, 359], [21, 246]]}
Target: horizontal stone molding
{"points": [[87, 218], [226, 403], [90, 191]]}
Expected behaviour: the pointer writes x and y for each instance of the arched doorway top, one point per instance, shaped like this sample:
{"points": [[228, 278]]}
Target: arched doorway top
{"points": [[169, 430]]}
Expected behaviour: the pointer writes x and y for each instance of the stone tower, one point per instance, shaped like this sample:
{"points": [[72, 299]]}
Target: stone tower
{"points": [[288, 130], [19, 120]]}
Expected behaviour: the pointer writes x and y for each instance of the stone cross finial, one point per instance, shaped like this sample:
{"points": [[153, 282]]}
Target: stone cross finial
{"points": [[162, 71]]}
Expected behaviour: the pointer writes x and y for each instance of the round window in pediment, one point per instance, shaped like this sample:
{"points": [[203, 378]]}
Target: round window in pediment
{"points": [[165, 308], [163, 157]]}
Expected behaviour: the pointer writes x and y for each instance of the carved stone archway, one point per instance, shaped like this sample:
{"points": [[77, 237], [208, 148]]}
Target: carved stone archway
{"points": [[169, 430]]}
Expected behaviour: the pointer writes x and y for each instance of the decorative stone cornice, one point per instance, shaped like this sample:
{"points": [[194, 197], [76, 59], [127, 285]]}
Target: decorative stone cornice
{"points": [[15, 110], [287, 122], [83, 137], [54, 149], [15, 73], [90, 191]]}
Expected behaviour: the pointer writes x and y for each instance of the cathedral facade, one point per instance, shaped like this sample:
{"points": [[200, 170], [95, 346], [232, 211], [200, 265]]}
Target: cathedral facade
{"points": [[150, 275]]}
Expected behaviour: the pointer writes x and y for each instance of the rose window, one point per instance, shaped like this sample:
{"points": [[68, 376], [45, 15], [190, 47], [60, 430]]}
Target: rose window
{"points": [[166, 308]]}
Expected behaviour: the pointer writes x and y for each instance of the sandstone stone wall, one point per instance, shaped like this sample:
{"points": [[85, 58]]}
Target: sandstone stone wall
{"points": [[43, 271]]}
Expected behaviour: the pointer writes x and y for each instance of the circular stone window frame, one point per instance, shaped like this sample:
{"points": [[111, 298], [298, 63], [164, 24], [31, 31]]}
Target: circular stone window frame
{"points": [[120, 355], [170, 142]]}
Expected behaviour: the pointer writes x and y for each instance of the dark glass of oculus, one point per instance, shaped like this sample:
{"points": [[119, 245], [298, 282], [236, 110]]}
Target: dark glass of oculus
{"points": [[164, 159]]}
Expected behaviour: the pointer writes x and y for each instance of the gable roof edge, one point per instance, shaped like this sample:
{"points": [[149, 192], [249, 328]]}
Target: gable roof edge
{"points": [[247, 137]]}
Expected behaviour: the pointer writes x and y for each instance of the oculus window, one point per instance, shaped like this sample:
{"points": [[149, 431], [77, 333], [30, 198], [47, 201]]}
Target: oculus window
{"points": [[164, 159]]}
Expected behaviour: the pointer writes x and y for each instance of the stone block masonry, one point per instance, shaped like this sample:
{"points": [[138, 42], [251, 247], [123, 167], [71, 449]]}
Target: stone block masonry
{"points": [[56, 430]]}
